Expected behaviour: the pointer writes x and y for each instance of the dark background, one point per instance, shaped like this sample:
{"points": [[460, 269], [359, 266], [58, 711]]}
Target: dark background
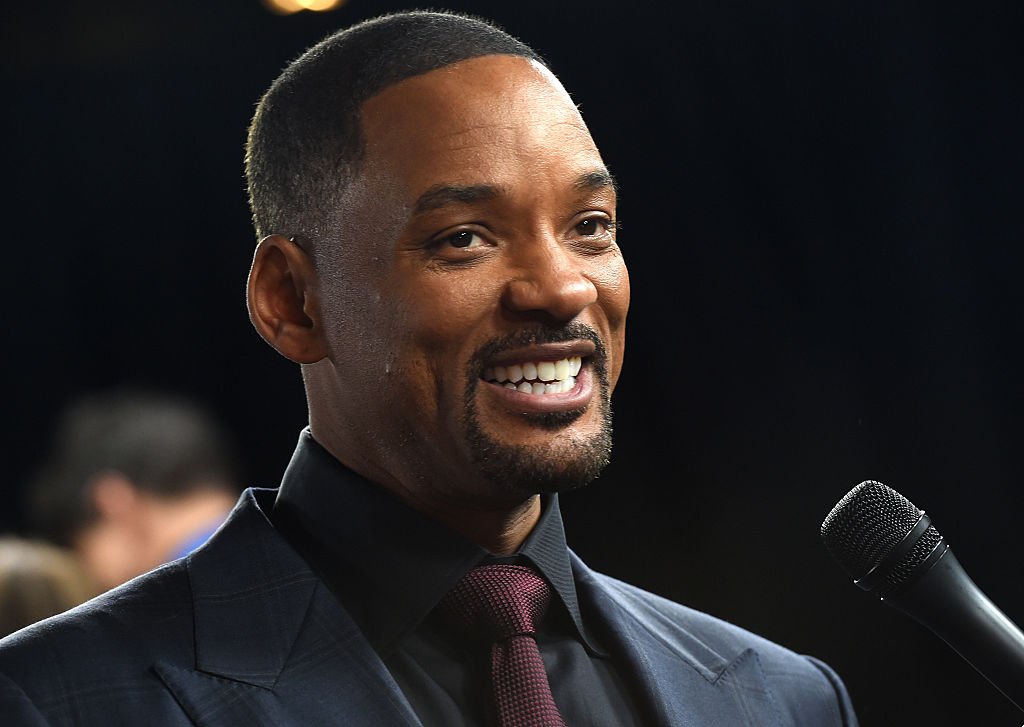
{"points": [[821, 213]]}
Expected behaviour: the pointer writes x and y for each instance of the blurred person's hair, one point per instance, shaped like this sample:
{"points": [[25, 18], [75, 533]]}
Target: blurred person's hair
{"points": [[37, 580], [165, 445]]}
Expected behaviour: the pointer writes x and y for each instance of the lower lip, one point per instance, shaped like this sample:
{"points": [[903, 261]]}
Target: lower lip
{"points": [[576, 398]]}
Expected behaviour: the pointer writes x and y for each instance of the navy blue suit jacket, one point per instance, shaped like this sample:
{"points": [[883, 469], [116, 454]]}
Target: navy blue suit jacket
{"points": [[243, 633]]}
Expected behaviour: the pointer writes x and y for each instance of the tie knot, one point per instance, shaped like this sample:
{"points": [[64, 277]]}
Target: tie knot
{"points": [[502, 600]]}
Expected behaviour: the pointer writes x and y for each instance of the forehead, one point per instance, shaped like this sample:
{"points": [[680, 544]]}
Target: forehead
{"points": [[483, 120]]}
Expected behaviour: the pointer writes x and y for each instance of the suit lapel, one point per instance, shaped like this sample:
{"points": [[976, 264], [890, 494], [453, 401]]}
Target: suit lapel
{"points": [[273, 646], [680, 679]]}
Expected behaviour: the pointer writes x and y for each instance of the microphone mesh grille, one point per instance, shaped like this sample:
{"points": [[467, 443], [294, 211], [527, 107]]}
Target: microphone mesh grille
{"points": [[908, 565], [866, 525]]}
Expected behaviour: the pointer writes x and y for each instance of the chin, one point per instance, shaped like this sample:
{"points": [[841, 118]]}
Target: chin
{"points": [[523, 450], [563, 459]]}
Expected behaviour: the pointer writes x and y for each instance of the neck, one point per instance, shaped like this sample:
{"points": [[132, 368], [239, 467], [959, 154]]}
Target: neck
{"points": [[498, 526], [499, 531]]}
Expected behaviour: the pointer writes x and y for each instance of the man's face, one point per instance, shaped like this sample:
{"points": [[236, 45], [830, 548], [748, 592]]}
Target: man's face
{"points": [[475, 307]]}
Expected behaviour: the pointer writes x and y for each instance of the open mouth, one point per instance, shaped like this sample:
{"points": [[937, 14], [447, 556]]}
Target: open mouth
{"points": [[537, 377]]}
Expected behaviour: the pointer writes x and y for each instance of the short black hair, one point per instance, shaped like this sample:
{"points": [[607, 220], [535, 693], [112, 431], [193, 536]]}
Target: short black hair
{"points": [[164, 444], [305, 140]]}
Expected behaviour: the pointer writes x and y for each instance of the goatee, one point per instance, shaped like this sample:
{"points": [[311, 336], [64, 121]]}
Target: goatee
{"points": [[568, 462]]}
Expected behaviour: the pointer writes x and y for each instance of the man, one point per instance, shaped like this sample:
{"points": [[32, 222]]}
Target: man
{"points": [[134, 479], [438, 253]]}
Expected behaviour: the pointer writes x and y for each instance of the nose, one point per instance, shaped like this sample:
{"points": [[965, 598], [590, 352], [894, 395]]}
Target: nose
{"points": [[550, 280]]}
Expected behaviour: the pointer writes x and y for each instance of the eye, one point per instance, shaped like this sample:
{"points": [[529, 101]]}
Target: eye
{"points": [[463, 239], [460, 246], [594, 226], [595, 233]]}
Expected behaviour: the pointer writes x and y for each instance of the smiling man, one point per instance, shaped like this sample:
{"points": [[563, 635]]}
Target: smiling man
{"points": [[469, 303], [437, 250]]}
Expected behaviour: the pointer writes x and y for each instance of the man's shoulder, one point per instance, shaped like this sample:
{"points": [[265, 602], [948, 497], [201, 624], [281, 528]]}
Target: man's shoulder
{"points": [[149, 612], [151, 615], [715, 647], [83, 666], [105, 657], [666, 619]]}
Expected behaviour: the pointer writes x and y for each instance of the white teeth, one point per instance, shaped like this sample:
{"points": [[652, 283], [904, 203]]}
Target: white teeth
{"points": [[544, 377], [539, 387], [546, 371]]}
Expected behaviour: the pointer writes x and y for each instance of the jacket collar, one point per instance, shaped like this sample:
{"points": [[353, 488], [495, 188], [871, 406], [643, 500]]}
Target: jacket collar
{"points": [[680, 678], [247, 581]]}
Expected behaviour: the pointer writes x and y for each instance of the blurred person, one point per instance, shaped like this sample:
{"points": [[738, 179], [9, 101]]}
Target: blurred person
{"points": [[437, 250], [37, 580], [134, 479]]}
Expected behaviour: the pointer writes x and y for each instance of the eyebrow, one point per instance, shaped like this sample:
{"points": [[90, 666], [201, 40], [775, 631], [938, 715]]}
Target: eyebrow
{"points": [[441, 195], [444, 194], [595, 181]]}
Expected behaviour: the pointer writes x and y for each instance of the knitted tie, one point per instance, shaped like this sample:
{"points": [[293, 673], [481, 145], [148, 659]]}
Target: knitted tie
{"points": [[505, 603]]}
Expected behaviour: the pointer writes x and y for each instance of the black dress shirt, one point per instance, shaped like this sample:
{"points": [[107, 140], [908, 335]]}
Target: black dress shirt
{"points": [[389, 566]]}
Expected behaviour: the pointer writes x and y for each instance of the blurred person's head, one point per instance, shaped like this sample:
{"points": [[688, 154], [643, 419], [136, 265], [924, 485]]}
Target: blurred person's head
{"points": [[37, 580], [133, 479]]}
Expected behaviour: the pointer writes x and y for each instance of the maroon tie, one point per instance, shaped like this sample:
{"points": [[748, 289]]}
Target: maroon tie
{"points": [[506, 603]]}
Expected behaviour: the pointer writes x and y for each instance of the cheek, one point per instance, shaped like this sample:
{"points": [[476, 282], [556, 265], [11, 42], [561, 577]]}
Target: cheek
{"points": [[441, 323], [358, 331], [612, 282], [441, 307]]}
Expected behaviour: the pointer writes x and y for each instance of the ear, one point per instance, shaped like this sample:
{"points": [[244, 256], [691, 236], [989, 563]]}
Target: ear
{"points": [[113, 496], [282, 300]]}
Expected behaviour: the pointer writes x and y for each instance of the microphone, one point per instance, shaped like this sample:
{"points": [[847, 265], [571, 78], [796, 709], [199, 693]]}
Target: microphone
{"points": [[893, 551]]}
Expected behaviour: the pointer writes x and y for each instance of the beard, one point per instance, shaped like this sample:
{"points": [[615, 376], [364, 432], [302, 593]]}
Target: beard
{"points": [[568, 462]]}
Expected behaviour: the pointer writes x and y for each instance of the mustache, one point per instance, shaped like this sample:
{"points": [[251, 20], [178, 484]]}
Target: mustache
{"points": [[574, 331]]}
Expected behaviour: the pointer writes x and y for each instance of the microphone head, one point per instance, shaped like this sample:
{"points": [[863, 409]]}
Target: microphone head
{"points": [[867, 526]]}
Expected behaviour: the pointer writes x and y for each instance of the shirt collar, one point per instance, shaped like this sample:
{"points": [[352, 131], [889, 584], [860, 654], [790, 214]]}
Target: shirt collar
{"points": [[547, 551], [388, 564]]}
